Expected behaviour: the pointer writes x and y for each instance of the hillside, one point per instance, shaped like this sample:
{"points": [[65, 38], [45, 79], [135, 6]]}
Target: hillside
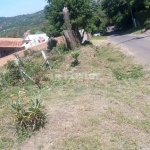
{"points": [[16, 26]]}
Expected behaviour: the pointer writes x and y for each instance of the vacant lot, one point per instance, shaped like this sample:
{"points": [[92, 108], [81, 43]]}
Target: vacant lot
{"points": [[101, 104]]}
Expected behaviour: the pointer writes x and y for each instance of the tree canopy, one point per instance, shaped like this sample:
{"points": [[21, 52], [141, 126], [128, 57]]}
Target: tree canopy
{"points": [[81, 12], [120, 12]]}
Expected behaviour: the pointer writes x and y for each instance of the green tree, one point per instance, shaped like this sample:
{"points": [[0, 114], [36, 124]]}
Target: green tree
{"points": [[81, 16], [147, 3], [121, 12]]}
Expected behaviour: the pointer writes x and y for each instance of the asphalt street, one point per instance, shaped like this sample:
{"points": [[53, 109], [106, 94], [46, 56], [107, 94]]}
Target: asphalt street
{"points": [[138, 45]]}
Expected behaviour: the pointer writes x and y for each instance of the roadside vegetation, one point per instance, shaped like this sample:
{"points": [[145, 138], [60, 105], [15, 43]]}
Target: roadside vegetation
{"points": [[135, 31], [99, 37], [106, 111], [130, 9]]}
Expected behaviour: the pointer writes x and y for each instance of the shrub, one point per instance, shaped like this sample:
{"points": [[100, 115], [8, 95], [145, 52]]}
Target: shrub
{"points": [[75, 54], [29, 119], [13, 75], [62, 47], [26, 53], [51, 44], [37, 54], [147, 25]]}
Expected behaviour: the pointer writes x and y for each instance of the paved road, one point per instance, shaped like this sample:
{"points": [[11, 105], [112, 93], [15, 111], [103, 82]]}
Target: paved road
{"points": [[138, 45]]}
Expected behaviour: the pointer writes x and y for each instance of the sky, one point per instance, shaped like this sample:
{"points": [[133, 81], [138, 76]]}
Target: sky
{"points": [[9, 8]]}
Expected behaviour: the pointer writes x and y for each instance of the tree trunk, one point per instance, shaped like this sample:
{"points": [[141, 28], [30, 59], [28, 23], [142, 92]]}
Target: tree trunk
{"points": [[71, 44], [77, 35], [70, 37]]}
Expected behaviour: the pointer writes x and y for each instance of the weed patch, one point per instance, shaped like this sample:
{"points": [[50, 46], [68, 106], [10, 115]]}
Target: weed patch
{"points": [[143, 124], [6, 143], [131, 72], [84, 143], [22, 135]]}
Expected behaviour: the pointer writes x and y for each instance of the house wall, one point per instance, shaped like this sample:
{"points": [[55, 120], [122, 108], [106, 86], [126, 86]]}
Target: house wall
{"points": [[7, 51], [33, 40]]}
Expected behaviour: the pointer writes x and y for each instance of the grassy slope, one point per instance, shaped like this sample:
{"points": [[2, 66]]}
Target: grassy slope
{"points": [[102, 113], [99, 37], [135, 31]]}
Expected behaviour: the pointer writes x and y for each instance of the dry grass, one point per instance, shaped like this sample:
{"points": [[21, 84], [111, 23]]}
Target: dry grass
{"points": [[100, 114]]}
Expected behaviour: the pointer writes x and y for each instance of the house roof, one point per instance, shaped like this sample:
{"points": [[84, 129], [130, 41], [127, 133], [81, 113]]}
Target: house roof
{"points": [[11, 42]]}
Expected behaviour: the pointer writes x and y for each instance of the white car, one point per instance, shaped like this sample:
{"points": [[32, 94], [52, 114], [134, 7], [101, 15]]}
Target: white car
{"points": [[98, 34]]}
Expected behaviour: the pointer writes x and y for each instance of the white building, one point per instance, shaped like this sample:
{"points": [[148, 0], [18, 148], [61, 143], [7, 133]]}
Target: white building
{"points": [[35, 39]]}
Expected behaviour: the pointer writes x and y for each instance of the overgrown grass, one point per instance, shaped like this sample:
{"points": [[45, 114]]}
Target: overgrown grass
{"points": [[99, 37], [109, 112], [122, 67], [131, 72]]}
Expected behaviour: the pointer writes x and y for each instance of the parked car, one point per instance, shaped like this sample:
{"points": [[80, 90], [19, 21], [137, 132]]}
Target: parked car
{"points": [[98, 33]]}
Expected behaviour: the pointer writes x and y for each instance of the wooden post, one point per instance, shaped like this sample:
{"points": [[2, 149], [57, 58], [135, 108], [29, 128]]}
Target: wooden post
{"points": [[46, 60]]}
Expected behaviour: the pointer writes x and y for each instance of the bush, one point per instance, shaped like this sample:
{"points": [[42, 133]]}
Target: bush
{"points": [[13, 76], [26, 53], [35, 71], [62, 47], [147, 25], [37, 54], [51, 44], [30, 118]]}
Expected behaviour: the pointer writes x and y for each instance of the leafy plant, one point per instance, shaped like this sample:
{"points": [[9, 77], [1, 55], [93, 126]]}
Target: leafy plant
{"points": [[28, 119], [75, 55], [37, 116]]}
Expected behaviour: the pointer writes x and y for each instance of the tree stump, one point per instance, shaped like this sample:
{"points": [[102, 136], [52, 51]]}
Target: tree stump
{"points": [[68, 33]]}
